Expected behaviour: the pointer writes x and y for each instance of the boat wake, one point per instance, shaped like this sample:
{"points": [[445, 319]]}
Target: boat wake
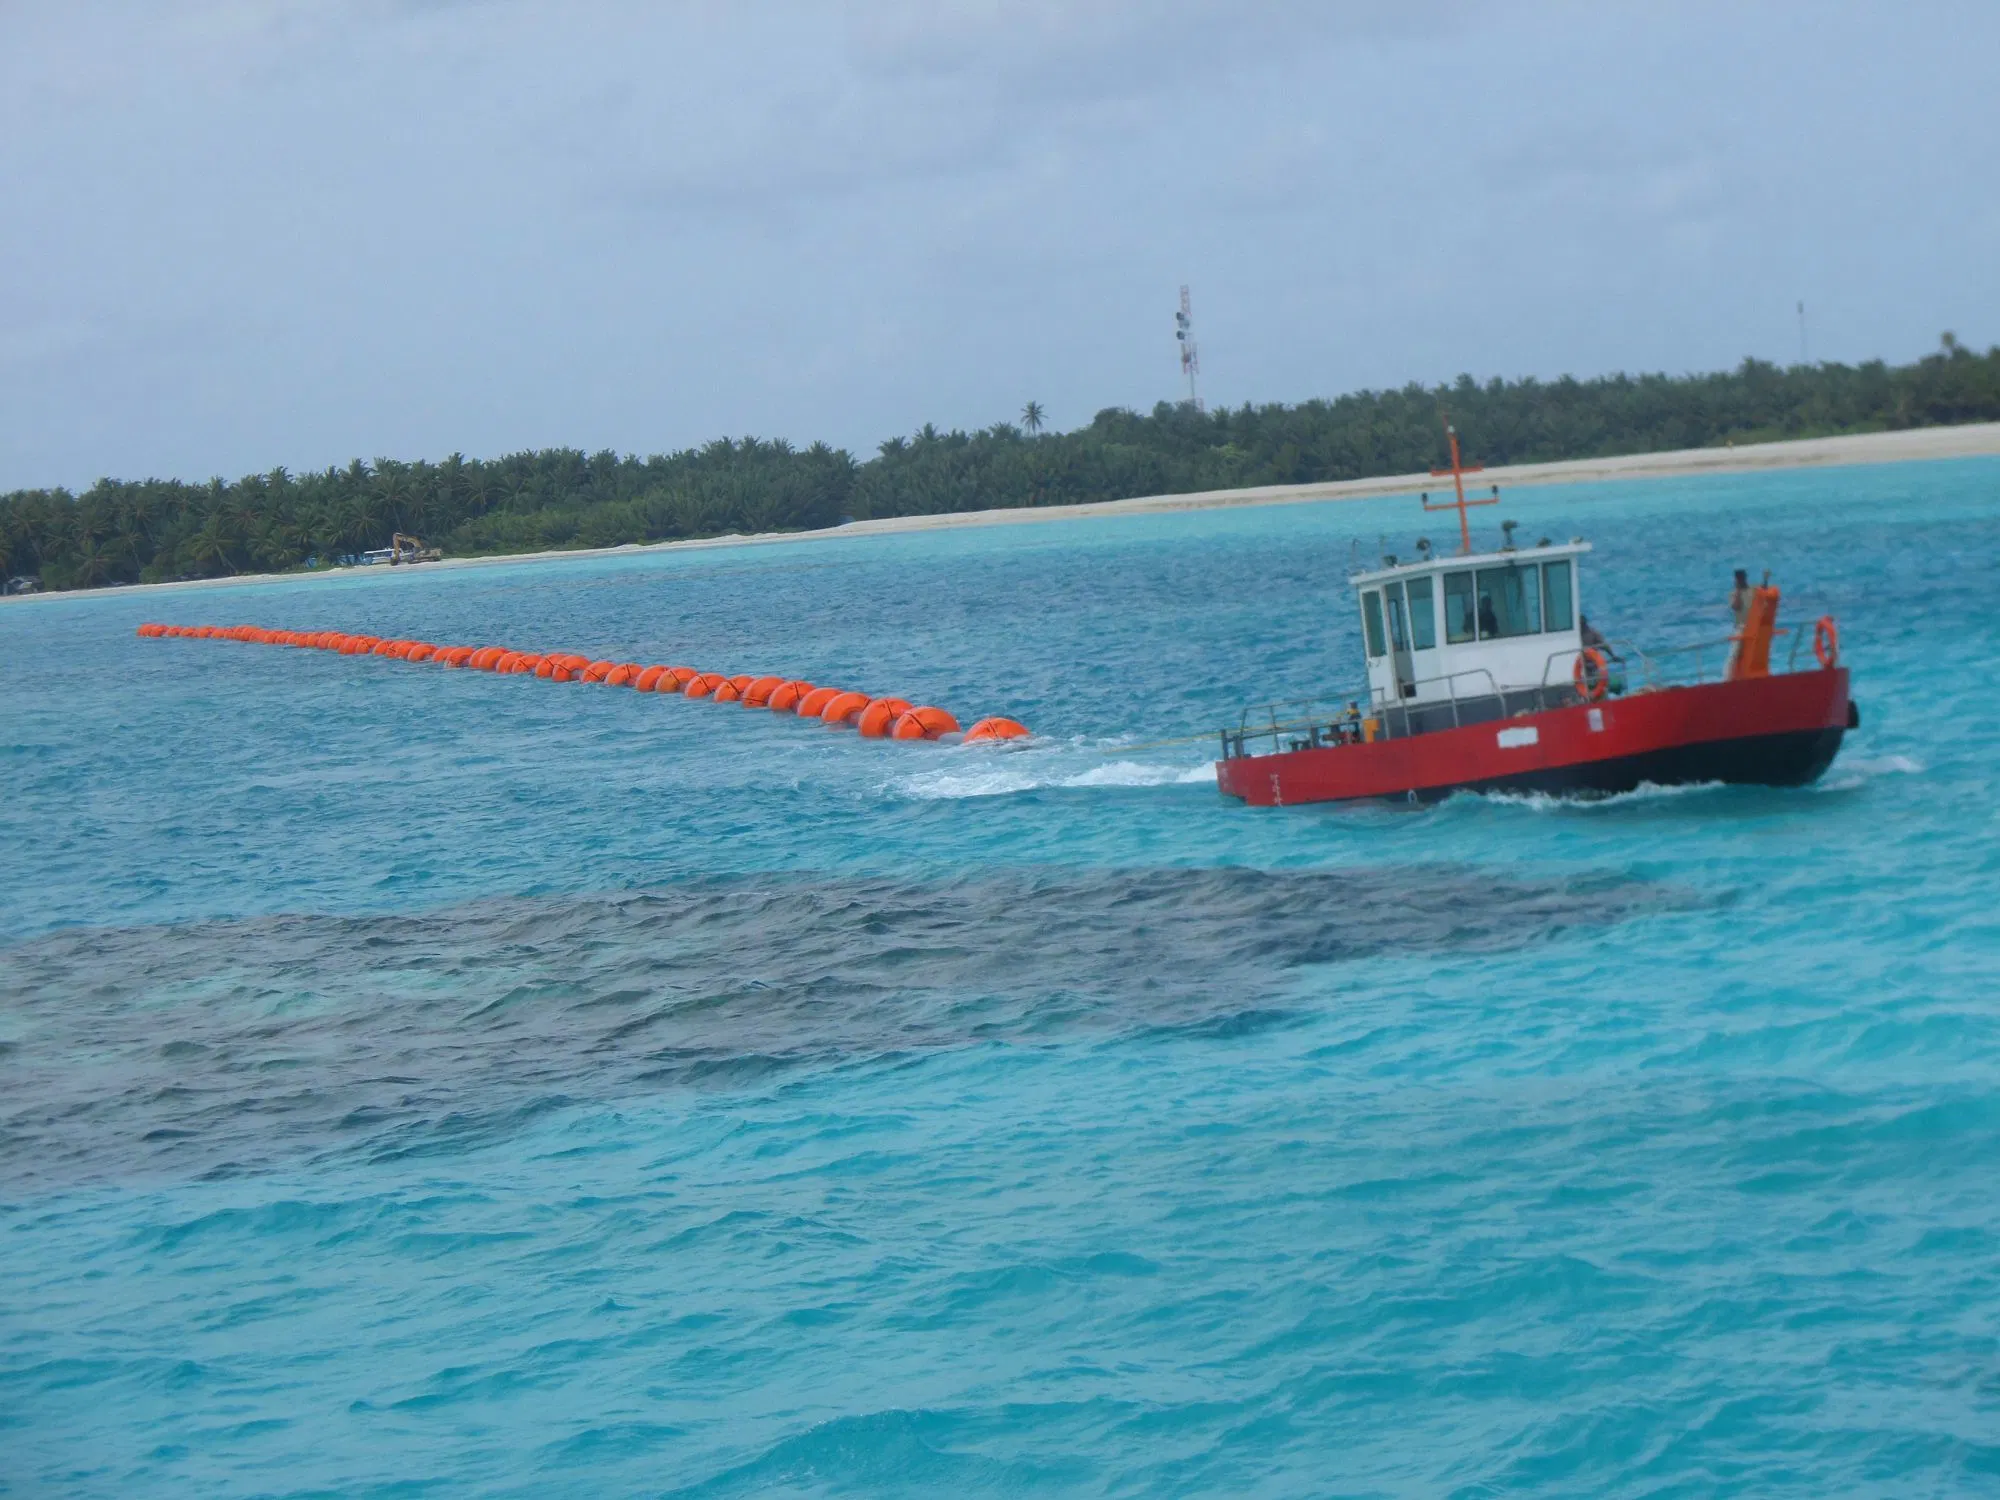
{"points": [[1861, 769], [1041, 770], [1544, 802]]}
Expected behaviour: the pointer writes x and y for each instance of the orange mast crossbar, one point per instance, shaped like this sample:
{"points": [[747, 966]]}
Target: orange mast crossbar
{"points": [[1458, 471]]}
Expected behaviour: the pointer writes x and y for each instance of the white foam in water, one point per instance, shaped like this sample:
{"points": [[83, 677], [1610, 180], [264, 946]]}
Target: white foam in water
{"points": [[1848, 774], [1130, 773], [1883, 765], [1004, 780], [1543, 802]]}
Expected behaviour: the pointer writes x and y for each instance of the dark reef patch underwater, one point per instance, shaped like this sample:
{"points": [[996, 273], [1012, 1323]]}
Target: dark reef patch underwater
{"points": [[227, 1047]]}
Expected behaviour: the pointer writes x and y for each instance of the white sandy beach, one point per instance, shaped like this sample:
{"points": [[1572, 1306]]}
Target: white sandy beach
{"points": [[1973, 440]]}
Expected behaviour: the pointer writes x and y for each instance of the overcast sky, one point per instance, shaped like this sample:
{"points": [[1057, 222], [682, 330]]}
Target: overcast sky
{"points": [[242, 233]]}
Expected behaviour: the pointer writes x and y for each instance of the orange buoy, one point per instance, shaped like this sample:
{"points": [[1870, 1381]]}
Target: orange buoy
{"points": [[874, 718], [994, 729], [841, 707], [873, 721], [924, 724]]}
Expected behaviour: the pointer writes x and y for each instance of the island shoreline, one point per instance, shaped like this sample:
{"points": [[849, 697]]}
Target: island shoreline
{"points": [[1971, 440]]}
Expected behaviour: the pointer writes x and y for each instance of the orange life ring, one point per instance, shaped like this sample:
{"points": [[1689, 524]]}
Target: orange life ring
{"points": [[1592, 674], [1826, 641]]}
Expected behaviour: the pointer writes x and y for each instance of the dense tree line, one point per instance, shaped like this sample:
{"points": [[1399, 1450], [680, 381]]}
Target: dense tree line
{"points": [[120, 531]]}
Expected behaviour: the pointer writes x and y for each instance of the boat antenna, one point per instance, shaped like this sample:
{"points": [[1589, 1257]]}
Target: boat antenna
{"points": [[1458, 471]]}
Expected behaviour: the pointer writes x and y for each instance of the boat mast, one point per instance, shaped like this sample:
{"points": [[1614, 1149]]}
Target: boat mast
{"points": [[1458, 472]]}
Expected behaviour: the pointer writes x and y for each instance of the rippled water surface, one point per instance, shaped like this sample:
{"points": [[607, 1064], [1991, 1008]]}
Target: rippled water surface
{"points": [[422, 1082]]}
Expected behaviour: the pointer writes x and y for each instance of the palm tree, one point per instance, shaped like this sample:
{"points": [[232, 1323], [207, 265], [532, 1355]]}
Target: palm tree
{"points": [[210, 547], [1031, 416]]}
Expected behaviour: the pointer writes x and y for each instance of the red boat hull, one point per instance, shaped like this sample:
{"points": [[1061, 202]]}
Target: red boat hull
{"points": [[1770, 731]]}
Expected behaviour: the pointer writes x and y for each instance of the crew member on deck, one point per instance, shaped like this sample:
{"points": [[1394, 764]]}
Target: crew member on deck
{"points": [[1593, 638], [1739, 599]]}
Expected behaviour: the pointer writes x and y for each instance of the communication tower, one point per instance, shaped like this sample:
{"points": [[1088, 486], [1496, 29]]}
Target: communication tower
{"points": [[1190, 356]]}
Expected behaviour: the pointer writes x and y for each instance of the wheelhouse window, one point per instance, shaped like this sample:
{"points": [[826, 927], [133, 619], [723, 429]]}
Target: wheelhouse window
{"points": [[1556, 593], [1371, 622], [1423, 617], [1458, 609], [1399, 631], [1510, 602]]}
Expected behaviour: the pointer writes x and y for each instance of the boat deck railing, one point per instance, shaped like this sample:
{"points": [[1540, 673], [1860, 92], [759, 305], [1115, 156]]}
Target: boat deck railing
{"points": [[1316, 723], [1471, 696], [1676, 666]]}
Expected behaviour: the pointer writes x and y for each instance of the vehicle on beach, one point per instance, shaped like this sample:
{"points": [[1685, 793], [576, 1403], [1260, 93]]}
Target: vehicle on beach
{"points": [[1485, 676]]}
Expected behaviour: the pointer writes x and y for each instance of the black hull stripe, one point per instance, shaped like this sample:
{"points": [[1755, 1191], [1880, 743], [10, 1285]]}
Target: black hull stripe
{"points": [[1791, 759]]}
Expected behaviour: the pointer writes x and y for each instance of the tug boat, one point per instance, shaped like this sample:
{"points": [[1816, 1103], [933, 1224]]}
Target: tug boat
{"points": [[1484, 676]]}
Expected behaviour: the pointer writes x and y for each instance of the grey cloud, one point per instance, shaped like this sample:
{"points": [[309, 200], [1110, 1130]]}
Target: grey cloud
{"points": [[253, 233]]}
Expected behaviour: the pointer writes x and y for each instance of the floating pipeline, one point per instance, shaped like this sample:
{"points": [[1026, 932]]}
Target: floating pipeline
{"points": [[875, 718]]}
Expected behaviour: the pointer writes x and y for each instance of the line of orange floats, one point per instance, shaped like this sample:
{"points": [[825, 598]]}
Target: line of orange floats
{"points": [[875, 718]]}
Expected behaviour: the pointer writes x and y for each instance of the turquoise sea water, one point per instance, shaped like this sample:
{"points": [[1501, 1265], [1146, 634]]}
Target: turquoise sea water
{"points": [[421, 1082]]}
